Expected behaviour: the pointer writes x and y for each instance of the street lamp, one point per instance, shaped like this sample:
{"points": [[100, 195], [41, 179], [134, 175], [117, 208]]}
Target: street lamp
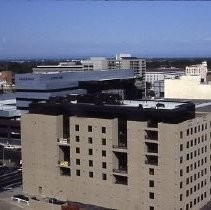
{"points": [[52, 204]]}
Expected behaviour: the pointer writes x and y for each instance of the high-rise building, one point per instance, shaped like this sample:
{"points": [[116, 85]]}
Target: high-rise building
{"points": [[148, 155]]}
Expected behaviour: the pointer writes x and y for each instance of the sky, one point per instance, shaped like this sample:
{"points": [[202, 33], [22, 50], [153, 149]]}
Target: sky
{"points": [[55, 29]]}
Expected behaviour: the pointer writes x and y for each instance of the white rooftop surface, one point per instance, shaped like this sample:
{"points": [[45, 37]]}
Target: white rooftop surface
{"points": [[7, 109], [152, 104]]}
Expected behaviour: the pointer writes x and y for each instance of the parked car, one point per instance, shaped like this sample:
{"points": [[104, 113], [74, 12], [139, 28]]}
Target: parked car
{"points": [[20, 198]]}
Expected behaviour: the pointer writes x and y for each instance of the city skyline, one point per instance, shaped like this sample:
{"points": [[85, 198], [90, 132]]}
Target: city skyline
{"points": [[32, 29]]}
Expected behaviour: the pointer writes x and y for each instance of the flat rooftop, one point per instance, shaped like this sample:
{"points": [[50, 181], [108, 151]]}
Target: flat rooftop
{"points": [[153, 104]]}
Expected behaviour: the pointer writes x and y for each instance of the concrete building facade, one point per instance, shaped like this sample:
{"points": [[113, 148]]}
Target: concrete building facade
{"points": [[147, 155], [197, 70]]}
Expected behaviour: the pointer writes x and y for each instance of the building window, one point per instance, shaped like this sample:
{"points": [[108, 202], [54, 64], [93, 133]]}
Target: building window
{"points": [[187, 206], [78, 172], [181, 160], [180, 185], [104, 176], [90, 140], [187, 157], [187, 169], [151, 208], [151, 183], [187, 193], [76, 127], [181, 147], [187, 146], [89, 128], [103, 153], [104, 165], [151, 171], [180, 197], [77, 150], [90, 152], [91, 163], [187, 180], [78, 162], [77, 139], [181, 134], [187, 132], [103, 141], [151, 195], [103, 129], [181, 172], [91, 174], [191, 143]]}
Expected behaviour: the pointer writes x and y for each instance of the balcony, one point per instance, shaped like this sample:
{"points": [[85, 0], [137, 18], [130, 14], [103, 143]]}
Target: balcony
{"points": [[123, 180], [151, 148], [121, 147], [151, 135], [65, 164], [64, 141], [120, 171], [151, 160], [152, 124]]}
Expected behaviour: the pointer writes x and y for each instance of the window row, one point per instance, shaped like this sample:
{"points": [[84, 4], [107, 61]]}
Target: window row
{"points": [[90, 128], [90, 140], [192, 142], [200, 173], [195, 201], [196, 187], [194, 165], [196, 129], [90, 163], [91, 174], [90, 151]]}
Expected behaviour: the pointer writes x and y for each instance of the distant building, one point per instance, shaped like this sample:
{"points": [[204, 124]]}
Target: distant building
{"points": [[187, 87], [122, 61], [197, 70], [36, 87], [9, 122], [158, 88], [153, 75], [144, 155]]}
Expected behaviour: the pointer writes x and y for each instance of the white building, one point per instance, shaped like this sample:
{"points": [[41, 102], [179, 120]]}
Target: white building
{"points": [[187, 87], [122, 61], [162, 74], [197, 70]]}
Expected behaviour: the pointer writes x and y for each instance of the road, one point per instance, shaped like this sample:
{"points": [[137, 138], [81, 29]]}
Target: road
{"points": [[5, 200], [4, 205]]}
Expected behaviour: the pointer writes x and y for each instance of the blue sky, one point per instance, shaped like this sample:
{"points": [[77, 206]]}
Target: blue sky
{"points": [[94, 28]]}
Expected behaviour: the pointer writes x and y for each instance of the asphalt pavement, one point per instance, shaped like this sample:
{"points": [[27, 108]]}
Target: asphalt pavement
{"points": [[5, 200]]}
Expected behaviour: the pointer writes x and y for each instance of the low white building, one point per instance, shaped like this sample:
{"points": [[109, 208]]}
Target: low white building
{"points": [[197, 70], [187, 87], [162, 74]]}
